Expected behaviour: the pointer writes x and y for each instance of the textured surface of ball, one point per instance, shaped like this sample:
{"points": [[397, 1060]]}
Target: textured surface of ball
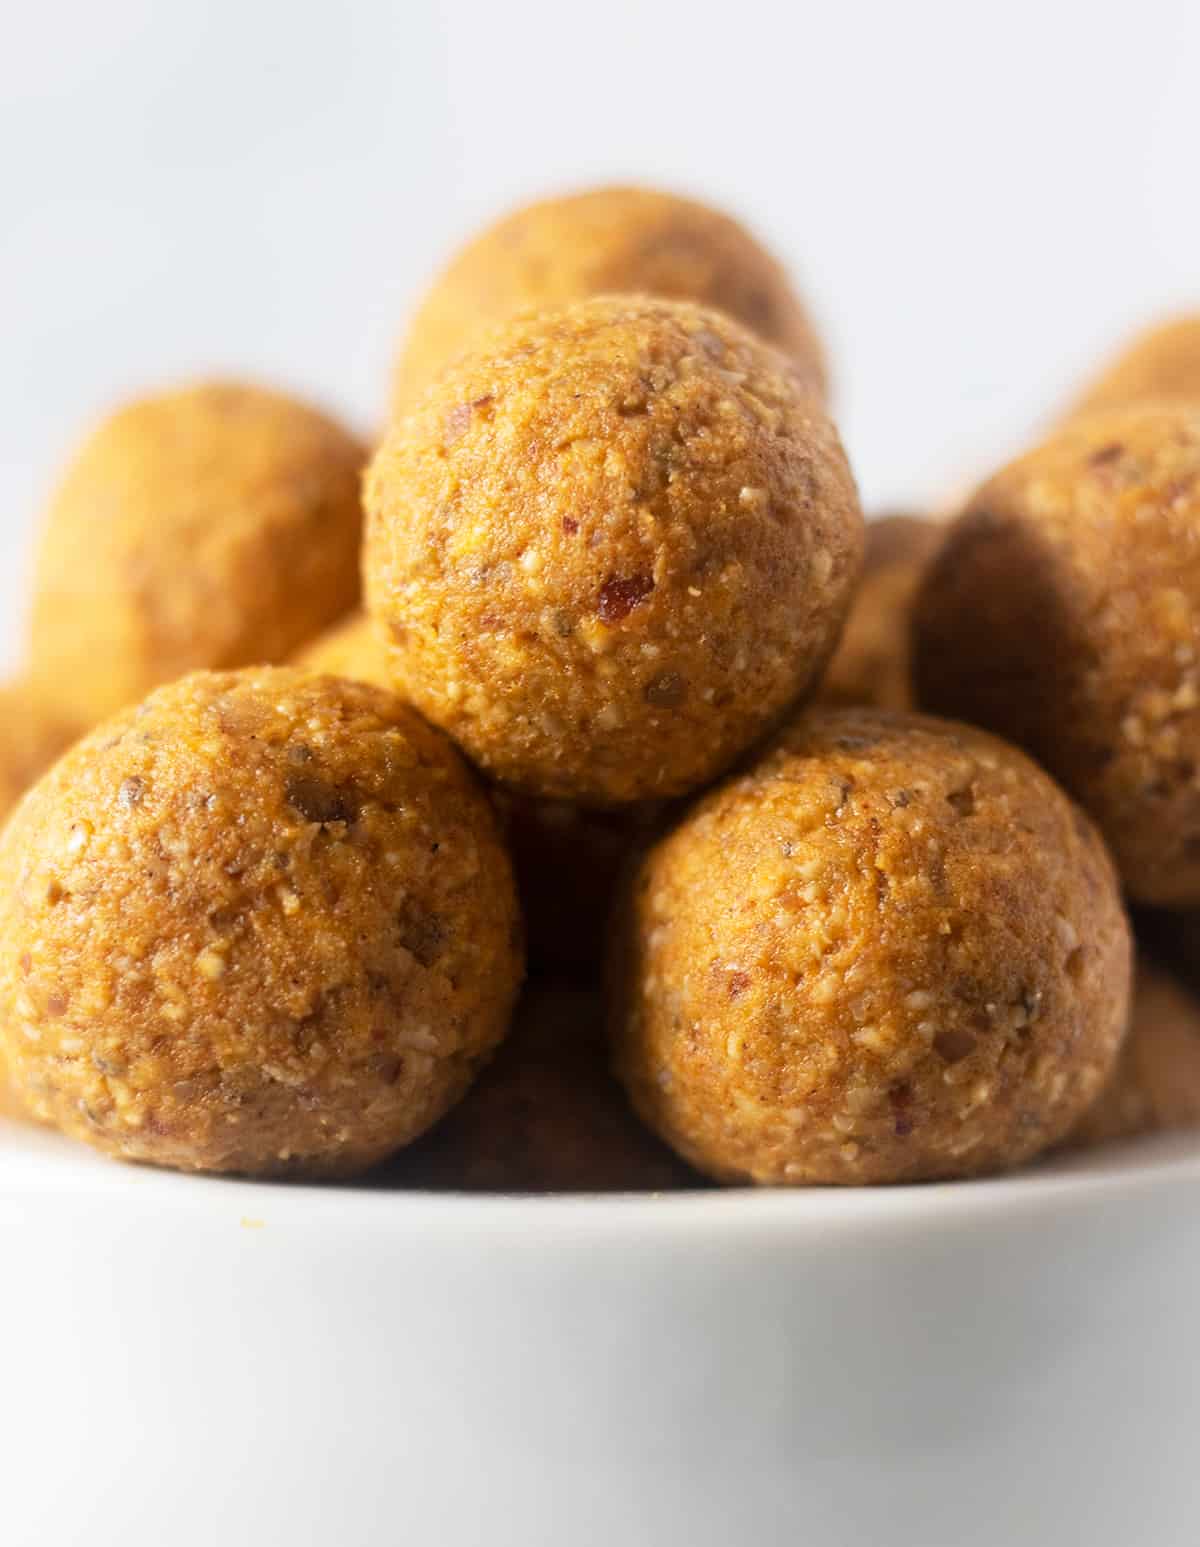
{"points": [[611, 550], [214, 526], [891, 951], [261, 923], [604, 241], [1063, 612]]}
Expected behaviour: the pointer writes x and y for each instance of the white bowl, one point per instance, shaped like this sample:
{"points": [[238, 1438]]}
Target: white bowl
{"points": [[198, 1363]]}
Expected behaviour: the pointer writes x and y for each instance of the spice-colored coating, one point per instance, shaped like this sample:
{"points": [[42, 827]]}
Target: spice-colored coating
{"points": [[1063, 611], [214, 526], [605, 241], [567, 858], [547, 1115], [32, 735], [1162, 363], [872, 662], [260, 923], [1155, 1087], [612, 549], [892, 950]]}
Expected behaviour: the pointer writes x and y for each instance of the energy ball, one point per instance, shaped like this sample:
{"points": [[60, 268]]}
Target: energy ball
{"points": [[261, 923], [1063, 612], [568, 859], [32, 735], [893, 950], [605, 241], [214, 526], [1162, 363], [547, 1115], [611, 550], [872, 663]]}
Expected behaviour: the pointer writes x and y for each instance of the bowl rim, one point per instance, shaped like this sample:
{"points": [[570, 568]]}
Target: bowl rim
{"points": [[39, 1167]]}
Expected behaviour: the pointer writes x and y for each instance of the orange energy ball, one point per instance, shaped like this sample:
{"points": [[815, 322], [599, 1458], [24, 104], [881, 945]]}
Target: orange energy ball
{"points": [[214, 526], [611, 550], [1163, 363], [605, 241], [546, 1115], [872, 663], [559, 850], [262, 922], [892, 950], [1156, 1084], [1063, 612]]}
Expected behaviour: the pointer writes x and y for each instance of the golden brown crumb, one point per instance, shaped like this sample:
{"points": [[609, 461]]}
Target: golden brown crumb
{"points": [[872, 662], [892, 950], [1063, 612], [214, 526], [606, 240], [611, 550], [262, 923], [1156, 1084], [547, 1116]]}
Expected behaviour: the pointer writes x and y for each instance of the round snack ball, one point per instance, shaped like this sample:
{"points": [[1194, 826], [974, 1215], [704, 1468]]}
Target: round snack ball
{"points": [[32, 735], [547, 1115], [260, 923], [612, 549], [213, 526], [567, 858], [1162, 363], [872, 662], [605, 241], [892, 950], [1156, 1084], [1063, 611]]}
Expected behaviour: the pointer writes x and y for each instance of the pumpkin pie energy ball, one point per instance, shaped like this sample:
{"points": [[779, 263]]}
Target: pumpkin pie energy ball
{"points": [[1156, 1084], [260, 923], [612, 549], [547, 1115], [568, 858], [872, 663], [1063, 612], [605, 241], [1162, 363], [213, 526], [892, 950]]}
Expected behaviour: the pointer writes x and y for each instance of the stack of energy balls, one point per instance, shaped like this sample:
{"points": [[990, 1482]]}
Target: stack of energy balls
{"points": [[590, 668]]}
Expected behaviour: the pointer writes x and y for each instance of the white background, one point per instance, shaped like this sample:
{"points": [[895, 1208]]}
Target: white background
{"points": [[978, 199]]}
